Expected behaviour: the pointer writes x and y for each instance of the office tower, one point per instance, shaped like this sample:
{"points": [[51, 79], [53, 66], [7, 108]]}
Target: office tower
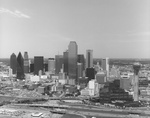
{"points": [[105, 65], [136, 68], [79, 70], [38, 64], [26, 62], [90, 73], [45, 67], [20, 66], [81, 59], [13, 63], [31, 68], [89, 58], [58, 63], [51, 65], [72, 60], [100, 77], [65, 62]]}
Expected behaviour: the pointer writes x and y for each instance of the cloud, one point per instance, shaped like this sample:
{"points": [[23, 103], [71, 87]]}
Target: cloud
{"points": [[15, 13]]}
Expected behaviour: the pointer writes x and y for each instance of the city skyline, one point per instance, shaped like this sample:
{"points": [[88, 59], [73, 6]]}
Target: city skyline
{"points": [[111, 28]]}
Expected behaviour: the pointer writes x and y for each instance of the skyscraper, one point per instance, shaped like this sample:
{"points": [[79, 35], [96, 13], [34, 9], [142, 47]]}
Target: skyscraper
{"points": [[58, 63], [72, 60], [13, 63], [105, 65], [65, 61], [89, 58], [90, 73], [38, 64], [81, 60], [51, 65], [26, 62], [20, 66], [79, 70]]}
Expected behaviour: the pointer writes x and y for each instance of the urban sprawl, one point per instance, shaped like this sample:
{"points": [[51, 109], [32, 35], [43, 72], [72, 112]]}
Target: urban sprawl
{"points": [[71, 85]]}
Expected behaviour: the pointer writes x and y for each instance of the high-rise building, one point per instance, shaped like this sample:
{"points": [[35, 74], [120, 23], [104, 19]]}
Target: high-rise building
{"points": [[100, 77], [20, 66], [45, 67], [31, 68], [72, 60], [13, 63], [105, 65], [79, 70], [81, 59], [38, 64], [90, 73], [58, 63], [89, 58], [51, 65], [65, 62], [26, 63], [136, 68]]}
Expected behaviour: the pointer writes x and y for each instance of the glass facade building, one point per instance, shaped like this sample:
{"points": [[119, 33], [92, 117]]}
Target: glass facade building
{"points": [[89, 58], [65, 62], [38, 64], [20, 66], [26, 62], [72, 60], [58, 63], [13, 63]]}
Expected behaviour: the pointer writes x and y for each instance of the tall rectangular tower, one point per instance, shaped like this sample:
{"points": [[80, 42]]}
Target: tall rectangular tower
{"points": [[81, 59], [72, 60], [89, 58], [58, 63], [20, 66], [51, 65], [38, 64], [13, 63], [105, 65], [65, 61], [26, 62]]}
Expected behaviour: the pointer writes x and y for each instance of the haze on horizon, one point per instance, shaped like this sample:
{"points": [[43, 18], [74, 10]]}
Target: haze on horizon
{"points": [[112, 28]]}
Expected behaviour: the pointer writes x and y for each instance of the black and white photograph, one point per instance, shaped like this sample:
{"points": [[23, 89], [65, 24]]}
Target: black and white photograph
{"points": [[74, 58]]}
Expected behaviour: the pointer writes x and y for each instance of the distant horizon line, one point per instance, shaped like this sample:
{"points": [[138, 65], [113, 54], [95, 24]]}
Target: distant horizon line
{"points": [[93, 58]]}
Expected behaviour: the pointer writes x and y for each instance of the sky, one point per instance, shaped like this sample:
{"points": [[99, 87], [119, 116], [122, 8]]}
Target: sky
{"points": [[111, 28]]}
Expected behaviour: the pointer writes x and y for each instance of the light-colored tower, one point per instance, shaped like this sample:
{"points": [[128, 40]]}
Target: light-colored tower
{"points": [[105, 65], [136, 67], [72, 60], [26, 62], [51, 65], [89, 58]]}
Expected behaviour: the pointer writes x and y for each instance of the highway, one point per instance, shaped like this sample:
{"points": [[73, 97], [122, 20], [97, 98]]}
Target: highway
{"points": [[89, 111]]}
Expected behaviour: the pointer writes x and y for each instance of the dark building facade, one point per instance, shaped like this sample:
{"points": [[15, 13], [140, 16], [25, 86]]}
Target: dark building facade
{"points": [[26, 63], [89, 58], [81, 59], [112, 92], [20, 66], [65, 62], [72, 60], [45, 67], [90, 73], [31, 68], [13, 63], [58, 63], [38, 64]]}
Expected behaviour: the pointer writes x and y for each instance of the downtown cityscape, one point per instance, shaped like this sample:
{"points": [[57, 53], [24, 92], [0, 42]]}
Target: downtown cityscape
{"points": [[75, 59], [71, 82]]}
